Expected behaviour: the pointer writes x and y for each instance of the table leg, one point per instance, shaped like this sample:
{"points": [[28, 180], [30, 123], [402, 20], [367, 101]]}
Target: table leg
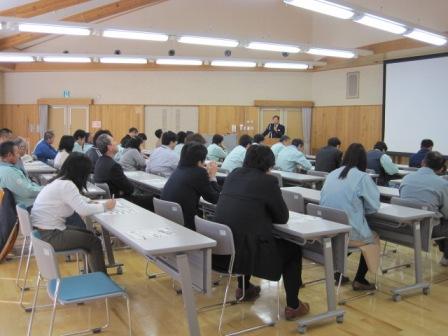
{"points": [[109, 253]]}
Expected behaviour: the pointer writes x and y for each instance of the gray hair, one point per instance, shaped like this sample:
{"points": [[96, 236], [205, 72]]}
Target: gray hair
{"points": [[48, 135], [102, 142], [19, 142]]}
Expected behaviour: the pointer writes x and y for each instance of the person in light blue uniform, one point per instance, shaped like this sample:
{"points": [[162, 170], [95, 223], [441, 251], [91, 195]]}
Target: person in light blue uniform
{"points": [[80, 139], [180, 142], [291, 156], [284, 142], [236, 157], [351, 189], [426, 187], [216, 151]]}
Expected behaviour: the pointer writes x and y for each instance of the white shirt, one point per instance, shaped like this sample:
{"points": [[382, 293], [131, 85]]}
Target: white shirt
{"points": [[60, 158], [163, 160], [57, 201]]}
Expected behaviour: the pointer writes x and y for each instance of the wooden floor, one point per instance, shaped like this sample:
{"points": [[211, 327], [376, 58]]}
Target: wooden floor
{"points": [[157, 310]]}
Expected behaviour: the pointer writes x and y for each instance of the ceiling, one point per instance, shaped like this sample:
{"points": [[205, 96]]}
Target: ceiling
{"points": [[244, 20]]}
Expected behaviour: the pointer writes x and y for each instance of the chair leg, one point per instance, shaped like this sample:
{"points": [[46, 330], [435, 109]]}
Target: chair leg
{"points": [[25, 279], [21, 262], [53, 311], [224, 302], [33, 309], [128, 305]]}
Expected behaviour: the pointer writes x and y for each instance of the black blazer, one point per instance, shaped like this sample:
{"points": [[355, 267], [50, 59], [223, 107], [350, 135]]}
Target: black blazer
{"points": [[274, 134], [107, 170], [250, 202], [185, 186], [328, 159]]}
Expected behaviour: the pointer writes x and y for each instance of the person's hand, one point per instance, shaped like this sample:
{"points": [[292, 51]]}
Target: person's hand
{"points": [[212, 168], [110, 204]]}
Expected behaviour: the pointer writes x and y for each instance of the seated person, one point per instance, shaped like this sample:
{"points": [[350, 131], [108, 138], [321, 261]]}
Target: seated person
{"points": [[250, 203], [5, 135], [93, 153], [132, 159], [14, 179], [180, 142], [80, 139], [164, 160], [107, 170], [382, 164], [23, 156], [89, 142], [329, 157], [284, 142], [291, 156], [59, 200], [236, 157], [425, 147], [258, 139], [132, 133], [351, 189], [196, 137], [191, 180], [216, 151], [44, 150], [424, 186], [66, 145], [158, 133]]}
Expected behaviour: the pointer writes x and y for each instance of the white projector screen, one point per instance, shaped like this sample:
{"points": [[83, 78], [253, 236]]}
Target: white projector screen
{"points": [[416, 103]]}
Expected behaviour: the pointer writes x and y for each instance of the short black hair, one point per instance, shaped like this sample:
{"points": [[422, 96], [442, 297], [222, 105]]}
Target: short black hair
{"points": [[6, 148], [434, 160], [80, 134], [181, 137], [297, 142], [98, 133], [76, 168], [195, 137], [217, 139], [168, 137], [191, 154], [5, 132], [334, 142], [427, 143], [66, 143], [259, 157], [355, 156], [133, 129], [158, 133], [284, 138], [142, 136], [245, 140], [258, 138], [380, 145], [134, 143]]}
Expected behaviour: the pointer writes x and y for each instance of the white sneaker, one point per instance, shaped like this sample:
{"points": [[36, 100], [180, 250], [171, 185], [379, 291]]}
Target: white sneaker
{"points": [[444, 262]]}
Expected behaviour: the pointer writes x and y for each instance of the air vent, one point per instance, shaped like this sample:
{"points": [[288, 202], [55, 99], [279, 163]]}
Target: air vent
{"points": [[352, 85]]}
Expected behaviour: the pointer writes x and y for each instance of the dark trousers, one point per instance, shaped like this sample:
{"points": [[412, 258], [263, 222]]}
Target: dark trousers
{"points": [[144, 200], [441, 230], [77, 238]]}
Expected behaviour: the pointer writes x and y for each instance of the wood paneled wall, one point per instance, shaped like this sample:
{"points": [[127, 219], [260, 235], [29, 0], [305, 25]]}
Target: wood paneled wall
{"points": [[23, 120], [219, 119], [350, 124]]}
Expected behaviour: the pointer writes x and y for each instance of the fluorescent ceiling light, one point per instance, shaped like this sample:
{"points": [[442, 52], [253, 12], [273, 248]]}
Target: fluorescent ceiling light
{"points": [[280, 65], [239, 64], [53, 29], [424, 36], [331, 52], [323, 7], [382, 24], [66, 59], [123, 60], [273, 47], [135, 35], [178, 61], [16, 58], [215, 42]]}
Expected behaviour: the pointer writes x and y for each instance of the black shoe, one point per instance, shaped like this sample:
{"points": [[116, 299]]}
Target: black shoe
{"points": [[344, 280], [363, 286]]}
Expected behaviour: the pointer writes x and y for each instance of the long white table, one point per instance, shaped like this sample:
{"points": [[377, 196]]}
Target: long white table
{"points": [[183, 253], [38, 167], [92, 190], [388, 223], [146, 181], [406, 167], [301, 179], [303, 228]]}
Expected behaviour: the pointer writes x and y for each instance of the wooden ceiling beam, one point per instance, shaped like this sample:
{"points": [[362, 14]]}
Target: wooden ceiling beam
{"points": [[95, 14], [39, 7]]}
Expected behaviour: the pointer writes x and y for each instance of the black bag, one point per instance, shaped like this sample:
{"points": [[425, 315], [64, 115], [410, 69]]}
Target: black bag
{"points": [[9, 226]]}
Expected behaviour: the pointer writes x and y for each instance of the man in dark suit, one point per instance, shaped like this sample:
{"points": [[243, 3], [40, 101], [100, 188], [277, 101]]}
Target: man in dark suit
{"points": [[191, 180], [274, 129], [107, 170], [329, 157]]}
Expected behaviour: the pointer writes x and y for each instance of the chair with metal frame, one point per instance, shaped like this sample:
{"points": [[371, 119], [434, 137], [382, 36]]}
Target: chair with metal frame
{"points": [[279, 178], [72, 289], [294, 201]]}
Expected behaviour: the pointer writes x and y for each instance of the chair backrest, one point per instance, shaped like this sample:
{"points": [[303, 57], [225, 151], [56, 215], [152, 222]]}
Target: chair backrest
{"points": [[334, 215], [24, 221], [169, 210], [294, 201], [317, 173], [409, 204], [45, 257], [105, 187], [279, 178], [222, 234]]}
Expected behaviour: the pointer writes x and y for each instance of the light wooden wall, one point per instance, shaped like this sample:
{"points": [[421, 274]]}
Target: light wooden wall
{"points": [[23, 120], [219, 119], [350, 124]]}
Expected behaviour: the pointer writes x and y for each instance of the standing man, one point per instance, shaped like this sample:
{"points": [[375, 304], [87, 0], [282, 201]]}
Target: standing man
{"points": [[274, 129]]}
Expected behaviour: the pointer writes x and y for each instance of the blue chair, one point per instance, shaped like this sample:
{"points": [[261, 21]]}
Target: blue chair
{"points": [[72, 289]]}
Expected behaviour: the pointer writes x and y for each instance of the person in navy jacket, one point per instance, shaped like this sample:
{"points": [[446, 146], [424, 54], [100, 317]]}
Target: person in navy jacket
{"points": [[274, 129], [44, 150]]}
